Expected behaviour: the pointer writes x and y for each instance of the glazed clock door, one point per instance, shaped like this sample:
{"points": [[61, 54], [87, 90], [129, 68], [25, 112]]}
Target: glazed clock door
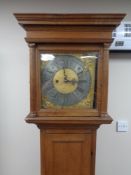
{"points": [[69, 79]]}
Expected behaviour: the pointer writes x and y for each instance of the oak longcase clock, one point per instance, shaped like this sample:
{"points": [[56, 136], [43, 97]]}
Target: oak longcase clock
{"points": [[68, 86]]}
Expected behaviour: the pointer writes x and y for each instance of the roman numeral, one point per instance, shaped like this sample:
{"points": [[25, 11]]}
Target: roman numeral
{"points": [[80, 89]]}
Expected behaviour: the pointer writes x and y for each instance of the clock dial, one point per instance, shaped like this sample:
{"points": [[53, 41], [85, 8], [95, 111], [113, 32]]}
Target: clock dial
{"points": [[66, 81]]}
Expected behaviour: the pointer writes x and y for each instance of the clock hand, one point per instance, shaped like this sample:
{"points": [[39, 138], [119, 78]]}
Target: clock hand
{"points": [[74, 81], [64, 72], [65, 76], [82, 81]]}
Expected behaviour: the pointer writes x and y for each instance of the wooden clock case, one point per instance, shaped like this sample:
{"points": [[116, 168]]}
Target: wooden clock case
{"points": [[68, 137]]}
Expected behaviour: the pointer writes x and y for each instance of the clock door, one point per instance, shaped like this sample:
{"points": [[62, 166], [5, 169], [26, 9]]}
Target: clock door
{"points": [[69, 80], [68, 152]]}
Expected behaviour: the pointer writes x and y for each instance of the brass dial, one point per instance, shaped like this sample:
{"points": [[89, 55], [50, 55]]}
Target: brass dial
{"points": [[67, 81]]}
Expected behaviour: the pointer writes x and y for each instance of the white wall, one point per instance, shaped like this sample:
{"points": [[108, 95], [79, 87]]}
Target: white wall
{"points": [[19, 142]]}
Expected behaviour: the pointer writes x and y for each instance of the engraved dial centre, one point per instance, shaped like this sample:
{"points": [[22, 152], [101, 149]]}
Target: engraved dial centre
{"points": [[65, 80]]}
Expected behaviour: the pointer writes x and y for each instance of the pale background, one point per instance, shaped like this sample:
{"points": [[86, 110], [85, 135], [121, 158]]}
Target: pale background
{"points": [[19, 142]]}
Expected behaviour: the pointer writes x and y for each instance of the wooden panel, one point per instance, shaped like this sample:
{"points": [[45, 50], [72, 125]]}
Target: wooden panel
{"points": [[66, 153], [104, 97], [57, 36], [32, 78]]}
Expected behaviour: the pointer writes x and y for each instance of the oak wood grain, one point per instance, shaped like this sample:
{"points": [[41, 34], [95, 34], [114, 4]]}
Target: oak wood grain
{"points": [[68, 136]]}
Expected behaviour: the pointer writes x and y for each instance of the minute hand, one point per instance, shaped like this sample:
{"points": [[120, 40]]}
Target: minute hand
{"points": [[82, 80], [75, 81]]}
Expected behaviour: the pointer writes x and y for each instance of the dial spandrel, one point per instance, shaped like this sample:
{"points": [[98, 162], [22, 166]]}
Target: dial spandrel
{"points": [[68, 80]]}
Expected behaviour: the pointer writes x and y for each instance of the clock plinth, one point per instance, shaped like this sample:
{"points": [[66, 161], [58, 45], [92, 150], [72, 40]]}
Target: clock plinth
{"points": [[68, 86]]}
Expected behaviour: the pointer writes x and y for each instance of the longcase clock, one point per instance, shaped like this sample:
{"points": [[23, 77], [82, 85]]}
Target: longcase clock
{"points": [[68, 86]]}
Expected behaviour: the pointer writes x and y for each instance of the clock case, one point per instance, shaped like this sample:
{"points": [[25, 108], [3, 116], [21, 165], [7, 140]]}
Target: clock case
{"points": [[65, 132]]}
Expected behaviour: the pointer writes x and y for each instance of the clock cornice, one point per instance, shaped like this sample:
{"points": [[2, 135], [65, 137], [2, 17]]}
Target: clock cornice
{"points": [[97, 27], [69, 19]]}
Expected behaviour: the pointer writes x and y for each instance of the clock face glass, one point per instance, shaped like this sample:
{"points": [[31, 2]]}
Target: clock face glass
{"points": [[68, 80]]}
